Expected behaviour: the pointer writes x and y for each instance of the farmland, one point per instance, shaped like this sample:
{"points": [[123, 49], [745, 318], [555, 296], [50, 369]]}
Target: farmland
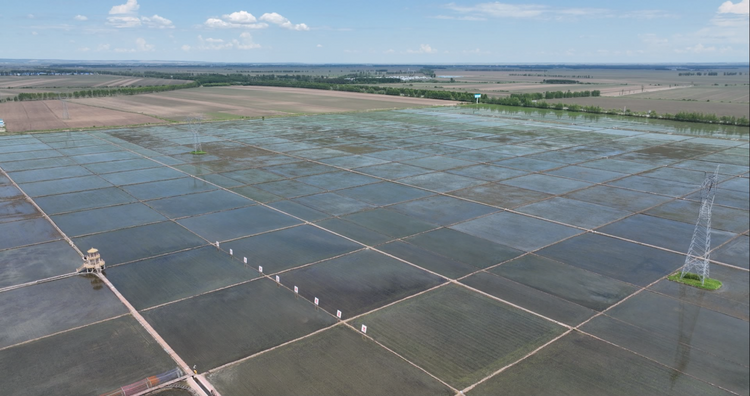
{"points": [[480, 246], [637, 89], [217, 103], [727, 94], [48, 114], [236, 102], [338, 353], [661, 106], [81, 81], [730, 94], [606, 80], [11, 86]]}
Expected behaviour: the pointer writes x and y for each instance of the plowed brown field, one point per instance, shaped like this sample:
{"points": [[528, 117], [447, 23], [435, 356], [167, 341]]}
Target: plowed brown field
{"points": [[48, 114], [226, 102], [661, 106]]}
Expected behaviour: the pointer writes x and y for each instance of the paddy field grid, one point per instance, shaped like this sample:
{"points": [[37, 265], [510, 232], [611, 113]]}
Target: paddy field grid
{"points": [[486, 251]]}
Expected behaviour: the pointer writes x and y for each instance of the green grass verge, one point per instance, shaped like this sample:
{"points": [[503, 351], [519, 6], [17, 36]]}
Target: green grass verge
{"points": [[219, 116], [695, 281], [201, 152]]}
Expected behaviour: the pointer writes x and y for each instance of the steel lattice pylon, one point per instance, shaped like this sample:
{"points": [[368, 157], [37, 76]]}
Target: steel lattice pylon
{"points": [[698, 254], [65, 114], [193, 125]]}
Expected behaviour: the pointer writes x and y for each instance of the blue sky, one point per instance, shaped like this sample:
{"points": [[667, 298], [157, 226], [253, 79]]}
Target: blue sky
{"points": [[386, 31]]}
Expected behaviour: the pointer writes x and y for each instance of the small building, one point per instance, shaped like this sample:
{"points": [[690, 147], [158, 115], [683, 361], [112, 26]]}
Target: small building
{"points": [[92, 262]]}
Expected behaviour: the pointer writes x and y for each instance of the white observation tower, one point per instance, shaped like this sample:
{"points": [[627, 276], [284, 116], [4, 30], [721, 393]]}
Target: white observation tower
{"points": [[92, 263]]}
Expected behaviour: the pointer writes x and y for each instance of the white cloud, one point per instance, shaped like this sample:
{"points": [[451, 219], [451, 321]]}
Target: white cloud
{"points": [[580, 12], [34, 33], [130, 7], [728, 26], [647, 14], [701, 49], [126, 16], [84, 49], [501, 10], [124, 21], [185, 47], [157, 22], [608, 53], [652, 39], [235, 20], [245, 42], [319, 45], [217, 23], [728, 21], [697, 49], [423, 49], [389, 51], [240, 17], [81, 18], [460, 18], [283, 22], [476, 51], [142, 45], [212, 43], [741, 8], [30, 16], [246, 20], [482, 11]]}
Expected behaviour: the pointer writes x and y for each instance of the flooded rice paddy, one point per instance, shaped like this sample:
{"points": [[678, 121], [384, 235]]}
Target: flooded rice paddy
{"points": [[485, 251]]}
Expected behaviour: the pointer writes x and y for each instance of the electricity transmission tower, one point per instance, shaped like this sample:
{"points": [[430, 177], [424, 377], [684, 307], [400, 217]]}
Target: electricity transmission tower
{"points": [[193, 126], [65, 114], [698, 254]]}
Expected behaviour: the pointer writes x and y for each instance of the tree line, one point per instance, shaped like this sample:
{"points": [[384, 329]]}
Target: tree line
{"points": [[709, 74], [286, 79], [547, 75], [560, 81], [371, 89], [534, 100], [100, 92], [568, 94]]}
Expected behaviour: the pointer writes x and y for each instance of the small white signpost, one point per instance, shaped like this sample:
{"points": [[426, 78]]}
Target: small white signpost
{"points": [[477, 96], [244, 259], [364, 329], [338, 314], [217, 244], [231, 252], [317, 302], [296, 290], [260, 269], [278, 280]]}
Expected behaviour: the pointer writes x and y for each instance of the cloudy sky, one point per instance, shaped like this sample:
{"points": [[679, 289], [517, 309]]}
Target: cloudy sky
{"points": [[415, 31]]}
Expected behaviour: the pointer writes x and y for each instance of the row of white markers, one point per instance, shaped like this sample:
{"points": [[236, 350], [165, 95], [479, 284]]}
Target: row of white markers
{"points": [[363, 329]]}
